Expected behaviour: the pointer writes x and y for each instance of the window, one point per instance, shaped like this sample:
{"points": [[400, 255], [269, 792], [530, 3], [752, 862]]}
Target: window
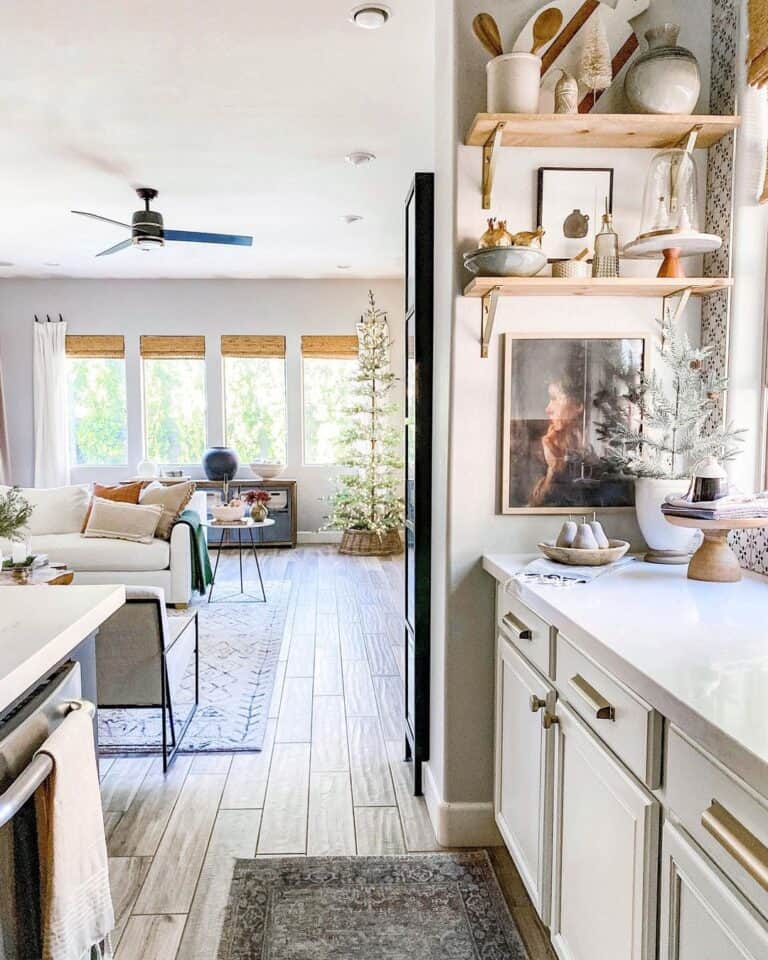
{"points": [[174, 398], [254, 397], [329, 363], [97, 400]]}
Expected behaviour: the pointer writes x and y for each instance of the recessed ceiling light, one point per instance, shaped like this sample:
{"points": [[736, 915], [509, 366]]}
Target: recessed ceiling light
{"points": [[352, 218], [49, 263], [370, 16], [342, 266], [6, 263], [359, 158]]}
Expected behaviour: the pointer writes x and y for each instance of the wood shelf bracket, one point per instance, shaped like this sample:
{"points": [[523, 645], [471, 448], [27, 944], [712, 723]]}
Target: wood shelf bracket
{"points": [[491, 149], [488, 317], [682, 303]]}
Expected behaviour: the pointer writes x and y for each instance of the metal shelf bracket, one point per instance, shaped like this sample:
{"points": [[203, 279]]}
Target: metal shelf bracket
{"points": [[488, 316], [490, 156]]}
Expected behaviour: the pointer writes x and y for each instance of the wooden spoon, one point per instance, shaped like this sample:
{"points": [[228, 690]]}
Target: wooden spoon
{"points": [[487, 32], [546, 27]]}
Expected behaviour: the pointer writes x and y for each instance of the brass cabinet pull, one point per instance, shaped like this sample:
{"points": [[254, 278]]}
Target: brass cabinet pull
{"points": [[733, 836], [596, 701], [548, 720], [517, 627], [537, 703]]}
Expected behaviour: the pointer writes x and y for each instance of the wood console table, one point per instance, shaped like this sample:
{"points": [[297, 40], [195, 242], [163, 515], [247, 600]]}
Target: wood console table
{"points": [[282, 508]]}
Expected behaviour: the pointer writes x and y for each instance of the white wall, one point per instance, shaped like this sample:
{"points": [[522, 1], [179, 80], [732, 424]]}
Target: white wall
{"points": [[469, 523], [209, 307]]}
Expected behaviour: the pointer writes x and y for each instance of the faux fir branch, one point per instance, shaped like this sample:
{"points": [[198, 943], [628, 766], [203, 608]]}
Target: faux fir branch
{"points": [[366, 496], [657, 427], [15, 514]]}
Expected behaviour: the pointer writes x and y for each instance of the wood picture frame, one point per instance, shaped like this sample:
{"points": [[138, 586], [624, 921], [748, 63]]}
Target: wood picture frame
{"points": [[540, 474]]}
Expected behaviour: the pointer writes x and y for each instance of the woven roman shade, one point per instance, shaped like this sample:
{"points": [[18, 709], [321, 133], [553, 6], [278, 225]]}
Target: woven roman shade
{"points": [[87, 345], [245, 345], [339, 347], [161, 348]]}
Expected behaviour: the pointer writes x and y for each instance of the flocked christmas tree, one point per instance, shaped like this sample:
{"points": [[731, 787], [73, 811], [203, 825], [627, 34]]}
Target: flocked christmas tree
{"points": [[658, 428], [595, 69], [367, 496]]}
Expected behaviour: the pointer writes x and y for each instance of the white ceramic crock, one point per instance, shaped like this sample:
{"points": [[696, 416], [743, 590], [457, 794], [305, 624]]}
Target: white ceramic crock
{"points": [[650, 493], [513, 83]]}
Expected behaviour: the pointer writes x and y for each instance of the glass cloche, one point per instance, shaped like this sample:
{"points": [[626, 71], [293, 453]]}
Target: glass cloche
{"points": [[670, 201]]}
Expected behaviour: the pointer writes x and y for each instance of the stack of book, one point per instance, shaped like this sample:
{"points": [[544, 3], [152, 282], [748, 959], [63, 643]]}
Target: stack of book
{"points": [[734, 507]]}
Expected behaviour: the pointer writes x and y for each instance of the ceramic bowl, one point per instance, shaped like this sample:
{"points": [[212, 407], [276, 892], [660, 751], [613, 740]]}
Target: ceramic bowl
{"points": [[505, 261], [226, 514], [585, 558], [267, 470]]}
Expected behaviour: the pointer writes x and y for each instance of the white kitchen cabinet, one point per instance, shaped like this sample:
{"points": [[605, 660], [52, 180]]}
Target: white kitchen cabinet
{"points": [[703, 916], [605, 858], [524, 767]]}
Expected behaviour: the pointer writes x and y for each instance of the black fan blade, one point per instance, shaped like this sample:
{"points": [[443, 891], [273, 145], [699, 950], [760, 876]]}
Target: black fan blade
{"points": [[95, 216], [118, 246], [192, 236]]}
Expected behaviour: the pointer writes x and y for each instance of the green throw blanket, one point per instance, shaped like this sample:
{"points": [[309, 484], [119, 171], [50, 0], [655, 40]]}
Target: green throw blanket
{"points": [[201, 564]]}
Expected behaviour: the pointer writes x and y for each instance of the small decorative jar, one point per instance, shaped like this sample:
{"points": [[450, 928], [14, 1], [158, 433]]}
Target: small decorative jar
{"points": [[664, 79]]}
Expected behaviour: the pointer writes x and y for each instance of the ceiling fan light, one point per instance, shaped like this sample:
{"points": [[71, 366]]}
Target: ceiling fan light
{"points": [[370, 16], [148, 242]]}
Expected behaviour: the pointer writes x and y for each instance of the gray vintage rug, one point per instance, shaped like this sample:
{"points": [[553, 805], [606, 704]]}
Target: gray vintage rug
{"points": [[239, 650], [445, 906]]}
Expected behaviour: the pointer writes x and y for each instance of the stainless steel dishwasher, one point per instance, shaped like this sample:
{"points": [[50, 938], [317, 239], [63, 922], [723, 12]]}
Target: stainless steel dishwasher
{"points": [[23, 730]]}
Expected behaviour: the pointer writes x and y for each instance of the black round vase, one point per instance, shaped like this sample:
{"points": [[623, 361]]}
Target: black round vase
{"points": [[220, 463]]}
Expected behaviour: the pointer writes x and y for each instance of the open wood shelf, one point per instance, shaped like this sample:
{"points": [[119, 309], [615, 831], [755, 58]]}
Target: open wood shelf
{"points": [[597, 129], [594, 287]]}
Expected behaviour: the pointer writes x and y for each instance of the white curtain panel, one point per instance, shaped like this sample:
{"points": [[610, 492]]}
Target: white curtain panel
{"points": [[5, 456], [50, 393]]}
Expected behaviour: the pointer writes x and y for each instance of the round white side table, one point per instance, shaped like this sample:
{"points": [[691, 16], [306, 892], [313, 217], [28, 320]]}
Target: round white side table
{"points": [[227, 537]]}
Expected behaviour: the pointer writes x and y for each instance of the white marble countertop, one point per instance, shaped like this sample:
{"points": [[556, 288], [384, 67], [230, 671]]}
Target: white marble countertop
{"points": [[41, 625], [698, 652]]}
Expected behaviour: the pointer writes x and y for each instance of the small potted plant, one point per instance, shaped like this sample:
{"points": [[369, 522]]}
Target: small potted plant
{"points": [[258, 500], [15, 513], [660, 429]]}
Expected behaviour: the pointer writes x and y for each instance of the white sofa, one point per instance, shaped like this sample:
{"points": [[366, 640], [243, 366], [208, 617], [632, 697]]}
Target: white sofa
{"points": [[55, 530]]}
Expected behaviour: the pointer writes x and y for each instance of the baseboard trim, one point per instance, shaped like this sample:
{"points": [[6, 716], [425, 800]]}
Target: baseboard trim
{"points": [[319, 536], [459, 824]]}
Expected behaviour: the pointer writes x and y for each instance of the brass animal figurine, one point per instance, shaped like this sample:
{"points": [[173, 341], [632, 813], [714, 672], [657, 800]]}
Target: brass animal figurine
{"points": [[528, 238]]}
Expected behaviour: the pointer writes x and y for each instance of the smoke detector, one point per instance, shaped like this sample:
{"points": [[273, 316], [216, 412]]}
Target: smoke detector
{"points": [[370, 16], [351, 218]]}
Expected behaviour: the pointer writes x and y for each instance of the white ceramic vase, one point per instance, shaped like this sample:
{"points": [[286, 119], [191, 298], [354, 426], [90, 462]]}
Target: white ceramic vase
{"points": [[661, 537], [513, 83]]}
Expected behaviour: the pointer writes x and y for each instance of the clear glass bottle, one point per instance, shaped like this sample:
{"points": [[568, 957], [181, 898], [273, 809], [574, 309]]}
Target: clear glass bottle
{"points": [[605, 261]]}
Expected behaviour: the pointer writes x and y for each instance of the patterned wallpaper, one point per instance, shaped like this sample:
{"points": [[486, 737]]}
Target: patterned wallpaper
{"points": [[751, 546]]}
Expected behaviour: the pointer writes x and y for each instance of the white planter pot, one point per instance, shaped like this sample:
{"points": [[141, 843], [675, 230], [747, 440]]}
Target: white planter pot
{"points": [[513, 83], [661, 536]]}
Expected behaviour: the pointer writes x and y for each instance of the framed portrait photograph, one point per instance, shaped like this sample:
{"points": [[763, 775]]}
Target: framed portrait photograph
{"points": [[557, 392], [570, 206]]}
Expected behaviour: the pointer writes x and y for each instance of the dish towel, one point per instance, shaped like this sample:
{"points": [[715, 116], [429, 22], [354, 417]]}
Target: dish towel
{"points": [[549, 568], [77, 915]]}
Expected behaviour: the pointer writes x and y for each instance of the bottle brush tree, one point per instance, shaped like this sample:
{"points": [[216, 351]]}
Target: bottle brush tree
{"points": [[657, 428], [367, 492], [595, 68]]}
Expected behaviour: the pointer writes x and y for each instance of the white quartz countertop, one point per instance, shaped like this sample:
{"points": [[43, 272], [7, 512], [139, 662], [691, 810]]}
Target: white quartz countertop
{"points": [[41, 625], [697, 652]]}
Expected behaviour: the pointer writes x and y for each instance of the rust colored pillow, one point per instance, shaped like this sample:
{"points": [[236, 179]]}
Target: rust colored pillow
{"points": [[122, 492]]}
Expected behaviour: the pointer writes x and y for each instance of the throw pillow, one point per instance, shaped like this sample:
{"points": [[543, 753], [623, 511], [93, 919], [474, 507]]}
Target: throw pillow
{"points": [[123, 521], [120, 492], [173, 498], [55, 509]]}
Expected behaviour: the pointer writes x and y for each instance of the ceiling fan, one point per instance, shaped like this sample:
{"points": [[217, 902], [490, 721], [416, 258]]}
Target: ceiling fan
{"points": [[148, 232]]}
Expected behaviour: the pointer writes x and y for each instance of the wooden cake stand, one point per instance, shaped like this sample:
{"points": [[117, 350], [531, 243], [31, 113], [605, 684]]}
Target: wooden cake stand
{"points": [[714, 561]]}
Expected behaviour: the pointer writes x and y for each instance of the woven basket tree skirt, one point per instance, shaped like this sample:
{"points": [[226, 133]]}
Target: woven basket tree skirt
{"points": [[364, 543]]}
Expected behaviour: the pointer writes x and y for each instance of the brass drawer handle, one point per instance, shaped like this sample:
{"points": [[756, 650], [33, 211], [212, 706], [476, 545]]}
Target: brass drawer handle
{"points": [[596, 701], [548, 720], [733, 836], [517, 627]]}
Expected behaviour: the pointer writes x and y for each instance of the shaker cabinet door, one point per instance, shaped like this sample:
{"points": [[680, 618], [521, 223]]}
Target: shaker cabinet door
{"points": [[703, 917], [605, 858], [524, 767]]}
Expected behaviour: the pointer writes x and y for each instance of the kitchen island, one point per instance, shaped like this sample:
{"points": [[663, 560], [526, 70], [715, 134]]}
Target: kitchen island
{"points": [[41, 626]]}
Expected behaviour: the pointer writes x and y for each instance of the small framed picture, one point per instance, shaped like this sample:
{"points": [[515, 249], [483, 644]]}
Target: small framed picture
{"points": [[570, 205], [557, 393]]}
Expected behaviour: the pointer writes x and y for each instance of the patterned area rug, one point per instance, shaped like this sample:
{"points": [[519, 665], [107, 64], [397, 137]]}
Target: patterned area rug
{"points": [[439, 906], [239, 650]]}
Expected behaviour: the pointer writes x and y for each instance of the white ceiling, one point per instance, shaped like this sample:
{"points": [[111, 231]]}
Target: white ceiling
{"points": [[239, 112]]}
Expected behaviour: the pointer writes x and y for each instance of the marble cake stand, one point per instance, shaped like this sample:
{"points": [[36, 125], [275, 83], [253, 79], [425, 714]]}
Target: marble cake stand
{"points": [[714, 561], [672, 246]]}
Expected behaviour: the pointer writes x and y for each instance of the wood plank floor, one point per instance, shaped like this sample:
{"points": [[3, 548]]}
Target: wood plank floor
{"points": [[330, 781]]}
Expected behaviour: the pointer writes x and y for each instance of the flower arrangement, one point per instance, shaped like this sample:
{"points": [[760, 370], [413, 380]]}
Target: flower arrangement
{"points": [[15, 513], [257, 500]]}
